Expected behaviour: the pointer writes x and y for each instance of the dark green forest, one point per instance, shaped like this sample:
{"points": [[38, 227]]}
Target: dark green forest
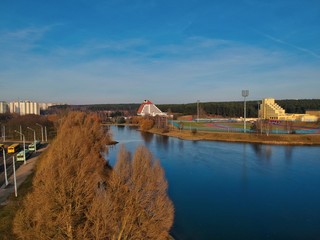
{"points": [[235, 109], [219, 109]]}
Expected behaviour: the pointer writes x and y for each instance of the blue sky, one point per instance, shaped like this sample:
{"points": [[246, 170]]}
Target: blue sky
{"points": [[125, 51]]}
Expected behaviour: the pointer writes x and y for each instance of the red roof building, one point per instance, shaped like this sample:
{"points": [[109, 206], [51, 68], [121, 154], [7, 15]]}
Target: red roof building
{"points": [[147, 108]]}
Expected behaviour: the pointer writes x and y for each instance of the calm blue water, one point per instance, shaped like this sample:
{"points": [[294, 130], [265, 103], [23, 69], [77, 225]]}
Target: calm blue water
{"points": [[236, 190]]}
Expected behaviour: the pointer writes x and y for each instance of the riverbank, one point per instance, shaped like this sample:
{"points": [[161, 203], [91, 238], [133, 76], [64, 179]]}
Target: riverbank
{"points": [[277, 139]]}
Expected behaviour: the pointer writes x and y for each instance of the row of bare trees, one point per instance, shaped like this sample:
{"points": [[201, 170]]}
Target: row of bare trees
{"points": [[11, 122], [77, 195]]}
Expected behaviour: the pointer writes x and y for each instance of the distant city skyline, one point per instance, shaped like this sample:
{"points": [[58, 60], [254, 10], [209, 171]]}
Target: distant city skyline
{"points": [[95, 52]]}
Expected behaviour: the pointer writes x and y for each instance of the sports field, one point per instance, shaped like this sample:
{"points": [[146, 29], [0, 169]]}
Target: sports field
{"points": [[272, 127]]}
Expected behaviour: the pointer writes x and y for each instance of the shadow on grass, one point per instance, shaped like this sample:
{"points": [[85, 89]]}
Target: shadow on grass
{"points": [[7, 212]]}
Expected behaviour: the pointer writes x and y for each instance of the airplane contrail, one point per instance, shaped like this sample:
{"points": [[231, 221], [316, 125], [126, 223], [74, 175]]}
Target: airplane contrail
{"points": [[289, 44]]}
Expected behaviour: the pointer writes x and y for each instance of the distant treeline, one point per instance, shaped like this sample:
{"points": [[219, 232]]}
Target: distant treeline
{"points": [[235, 109], [129, 107], [223, 109]]}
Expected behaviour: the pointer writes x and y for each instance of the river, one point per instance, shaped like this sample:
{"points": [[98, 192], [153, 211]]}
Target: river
{"points": [[235, 190]]}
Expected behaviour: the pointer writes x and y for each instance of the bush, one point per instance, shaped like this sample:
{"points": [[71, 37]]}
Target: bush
{"points": [[121, 120]]}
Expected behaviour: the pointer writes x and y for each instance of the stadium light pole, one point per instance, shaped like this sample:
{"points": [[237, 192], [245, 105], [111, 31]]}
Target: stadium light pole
{"points": [[34, 138], [24, 146], [41, 131], [5, 166], [14, 177], [245, 93], [198, 111]]}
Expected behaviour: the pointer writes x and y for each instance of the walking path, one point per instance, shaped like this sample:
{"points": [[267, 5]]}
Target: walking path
{"points": [[21, 174]]}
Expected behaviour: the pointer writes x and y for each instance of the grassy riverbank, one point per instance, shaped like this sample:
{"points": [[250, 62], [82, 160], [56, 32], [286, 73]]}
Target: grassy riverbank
{"points": [[280, 139]]}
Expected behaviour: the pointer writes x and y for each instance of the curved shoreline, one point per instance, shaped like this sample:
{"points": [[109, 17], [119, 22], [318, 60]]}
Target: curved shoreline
{"points": [[274, 139]]}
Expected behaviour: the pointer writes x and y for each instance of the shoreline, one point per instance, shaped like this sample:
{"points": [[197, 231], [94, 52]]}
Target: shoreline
{"points": [[271, 139]]}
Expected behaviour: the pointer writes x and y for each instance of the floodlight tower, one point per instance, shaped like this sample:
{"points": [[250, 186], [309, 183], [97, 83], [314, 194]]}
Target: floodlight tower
{"points": [[245, 93], [198, 111]]}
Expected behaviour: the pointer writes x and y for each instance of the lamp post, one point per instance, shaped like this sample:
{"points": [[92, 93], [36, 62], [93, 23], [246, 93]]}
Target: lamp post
{"points": [[24, 146], [41, 131], [21, 132], [4, 133], [45, 133], [5, 166], [245, 93], [14, 177], [34, 138]]}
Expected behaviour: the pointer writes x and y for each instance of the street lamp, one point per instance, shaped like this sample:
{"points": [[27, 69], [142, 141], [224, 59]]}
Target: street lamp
{"points": [[14, 177], [245, 93], [45, 133], [3, 132], [24, 146], [41, 131], [34, 138], [5, 166]]}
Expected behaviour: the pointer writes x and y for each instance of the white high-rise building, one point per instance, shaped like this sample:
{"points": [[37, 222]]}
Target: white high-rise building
{"points": [[14, 107], [3, 107], [24, 107]]}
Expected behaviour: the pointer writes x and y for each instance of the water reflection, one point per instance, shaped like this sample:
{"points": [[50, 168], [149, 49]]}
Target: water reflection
{"points": [[213, 184], [262, 151], [162, 141], [288, 153], [180, 145], [147, 137], [244, 167], [121, 127]]}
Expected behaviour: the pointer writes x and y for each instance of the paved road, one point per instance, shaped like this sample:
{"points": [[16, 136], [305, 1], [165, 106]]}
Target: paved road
{"points": [[21, 174]]}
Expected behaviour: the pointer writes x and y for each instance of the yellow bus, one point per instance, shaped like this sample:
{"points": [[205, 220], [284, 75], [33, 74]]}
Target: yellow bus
{"points": [[13, 148]]}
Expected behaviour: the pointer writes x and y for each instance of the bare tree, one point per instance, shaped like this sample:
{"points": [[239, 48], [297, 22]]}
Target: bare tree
{"points": [[137, 201], [76, 196], [65, 183]]}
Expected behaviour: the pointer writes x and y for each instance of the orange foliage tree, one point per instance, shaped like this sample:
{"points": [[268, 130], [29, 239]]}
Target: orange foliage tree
{"points": [[136, 204], [146, 123], [76, 195], [65, 182]]}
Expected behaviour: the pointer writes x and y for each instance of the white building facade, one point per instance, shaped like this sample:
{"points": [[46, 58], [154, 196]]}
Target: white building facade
{"points": [[24, 107], [147, 108], [269, 109], [3, 107]]}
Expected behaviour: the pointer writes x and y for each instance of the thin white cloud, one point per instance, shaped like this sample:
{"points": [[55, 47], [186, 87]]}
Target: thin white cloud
{"points": [[25, 39], [199, 68], [305, 50]]}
